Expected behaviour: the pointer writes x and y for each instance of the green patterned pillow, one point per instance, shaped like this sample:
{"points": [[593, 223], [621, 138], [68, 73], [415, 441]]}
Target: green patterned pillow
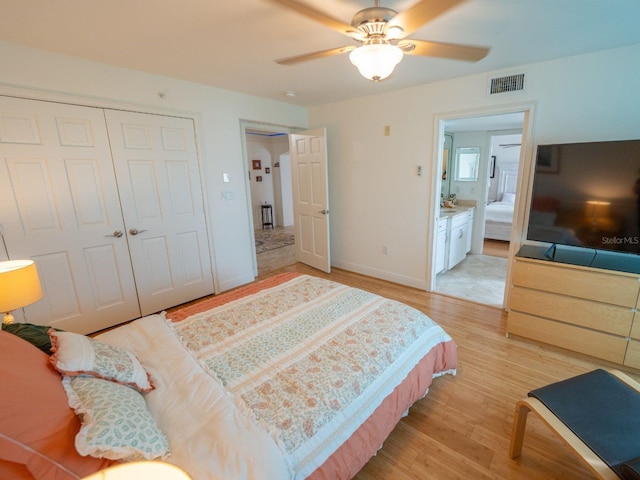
{"points": [[116, 423]]}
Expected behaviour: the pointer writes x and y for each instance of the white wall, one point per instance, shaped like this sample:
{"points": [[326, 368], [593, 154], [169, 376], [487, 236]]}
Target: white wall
{"points": [[282, 180], [218, 113], [378, 199], [286, 198]]}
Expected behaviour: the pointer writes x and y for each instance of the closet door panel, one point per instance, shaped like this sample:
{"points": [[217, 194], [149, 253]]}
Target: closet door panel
{"points": [[59, 205], [33, 195], [61, 300], [156, 165]]}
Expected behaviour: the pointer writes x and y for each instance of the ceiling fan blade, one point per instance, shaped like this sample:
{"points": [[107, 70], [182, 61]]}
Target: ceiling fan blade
{"points": [[314, 55], [421, 13], [316, 15], [444, 50]]}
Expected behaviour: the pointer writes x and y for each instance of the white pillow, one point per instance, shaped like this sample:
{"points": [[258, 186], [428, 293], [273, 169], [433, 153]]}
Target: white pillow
{"points": [[76, 354], [508, 198], [116, 423]]}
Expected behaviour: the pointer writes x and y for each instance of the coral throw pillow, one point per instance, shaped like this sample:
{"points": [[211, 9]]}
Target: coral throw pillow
{"points": [[37, 427]]}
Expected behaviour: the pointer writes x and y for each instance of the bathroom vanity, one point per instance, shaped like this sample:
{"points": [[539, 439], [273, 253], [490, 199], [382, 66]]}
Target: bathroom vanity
{"points": [[453, 238]]}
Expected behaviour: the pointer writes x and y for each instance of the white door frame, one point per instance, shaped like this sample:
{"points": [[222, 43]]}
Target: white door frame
{"points": [[524, 178]]}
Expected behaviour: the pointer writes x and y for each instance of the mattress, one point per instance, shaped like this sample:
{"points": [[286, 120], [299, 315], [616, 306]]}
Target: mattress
{"points": [[501, 212], [291, 378]]}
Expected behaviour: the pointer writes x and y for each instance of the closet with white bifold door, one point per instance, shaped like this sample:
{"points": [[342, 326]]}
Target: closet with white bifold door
{"points": [[108, 204]]}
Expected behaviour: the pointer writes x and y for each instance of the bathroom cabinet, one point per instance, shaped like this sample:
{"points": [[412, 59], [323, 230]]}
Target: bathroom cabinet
{"points": [[454, 233]]}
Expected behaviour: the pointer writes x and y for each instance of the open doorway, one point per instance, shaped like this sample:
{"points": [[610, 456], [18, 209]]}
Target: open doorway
{"points": [[269, 176], [472, 245]]}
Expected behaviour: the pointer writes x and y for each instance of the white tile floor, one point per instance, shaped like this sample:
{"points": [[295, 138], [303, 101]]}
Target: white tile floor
{"points": [[479, 278]]}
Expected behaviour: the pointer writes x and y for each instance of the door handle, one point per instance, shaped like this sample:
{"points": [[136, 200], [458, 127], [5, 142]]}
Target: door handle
{"points": [[323, 212], [116, 234], [135, 231]]}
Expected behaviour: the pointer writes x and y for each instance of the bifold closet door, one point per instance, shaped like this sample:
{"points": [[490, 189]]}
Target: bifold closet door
{"points": [[59, 206], [156, 165]]}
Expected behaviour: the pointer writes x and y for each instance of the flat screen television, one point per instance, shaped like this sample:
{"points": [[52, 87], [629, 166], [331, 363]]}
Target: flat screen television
{"points": [[587, 195]]}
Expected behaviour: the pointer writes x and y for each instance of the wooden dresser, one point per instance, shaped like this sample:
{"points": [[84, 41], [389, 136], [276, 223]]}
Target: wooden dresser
{"points": [[588, 310]]}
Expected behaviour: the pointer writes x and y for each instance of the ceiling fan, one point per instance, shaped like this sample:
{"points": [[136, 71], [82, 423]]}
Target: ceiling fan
{"points": [[382, 36]]}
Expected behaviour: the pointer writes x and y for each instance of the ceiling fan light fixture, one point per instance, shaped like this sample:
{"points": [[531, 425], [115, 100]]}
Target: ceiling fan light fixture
{"points": [[395, 32], [376, 61]]}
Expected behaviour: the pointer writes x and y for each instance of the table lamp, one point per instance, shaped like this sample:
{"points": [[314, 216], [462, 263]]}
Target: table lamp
{"points": [[142, 470], [19, 286]]}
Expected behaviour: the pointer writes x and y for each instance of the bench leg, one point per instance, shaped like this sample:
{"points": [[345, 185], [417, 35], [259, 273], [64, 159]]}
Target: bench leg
{"points": [[517, 432], [590, 459]]}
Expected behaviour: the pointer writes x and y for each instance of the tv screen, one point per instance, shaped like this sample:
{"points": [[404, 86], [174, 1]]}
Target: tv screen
{"points": [[587, 195]]}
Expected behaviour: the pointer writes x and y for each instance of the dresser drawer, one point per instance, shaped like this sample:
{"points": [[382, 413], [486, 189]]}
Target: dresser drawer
{"points": [[600, 287], [632, 358], [597, 344], [576, 311]]}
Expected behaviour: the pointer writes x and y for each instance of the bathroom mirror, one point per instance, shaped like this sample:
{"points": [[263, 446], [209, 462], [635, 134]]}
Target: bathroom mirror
{"points": [[467, 163]]}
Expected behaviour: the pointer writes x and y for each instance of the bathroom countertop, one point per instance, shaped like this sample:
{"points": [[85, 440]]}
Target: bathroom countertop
{"points": [[447, 211]]}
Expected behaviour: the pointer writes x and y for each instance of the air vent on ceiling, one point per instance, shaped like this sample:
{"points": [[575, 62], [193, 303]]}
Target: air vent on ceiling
{"points": [[509, 83]]}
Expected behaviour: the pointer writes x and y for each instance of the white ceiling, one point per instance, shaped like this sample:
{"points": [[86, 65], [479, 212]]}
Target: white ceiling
{"points": [[232, 44]]}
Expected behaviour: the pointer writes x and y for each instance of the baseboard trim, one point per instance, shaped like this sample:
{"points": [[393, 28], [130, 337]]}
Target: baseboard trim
{"points": [[381, 274]]}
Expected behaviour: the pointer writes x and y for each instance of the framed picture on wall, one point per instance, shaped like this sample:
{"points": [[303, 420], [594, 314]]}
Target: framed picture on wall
{"points": [[267, 170], [548, 159], [257, 164], [258, 178]]}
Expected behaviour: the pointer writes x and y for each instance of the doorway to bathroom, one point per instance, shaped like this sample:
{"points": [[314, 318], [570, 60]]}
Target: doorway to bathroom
{"points": [[485, 194]]}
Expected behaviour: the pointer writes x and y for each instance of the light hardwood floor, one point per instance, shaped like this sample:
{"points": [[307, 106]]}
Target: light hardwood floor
{"points": [[461, 429], [495, 248]]}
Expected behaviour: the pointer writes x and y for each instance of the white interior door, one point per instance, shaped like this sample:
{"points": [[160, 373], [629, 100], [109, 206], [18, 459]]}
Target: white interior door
{"points": [[310, 197], [59, 206], [156, 165]]}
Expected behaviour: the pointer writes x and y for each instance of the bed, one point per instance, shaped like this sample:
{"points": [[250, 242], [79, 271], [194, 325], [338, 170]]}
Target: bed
{"points": [[293, 377], [499, 213]]}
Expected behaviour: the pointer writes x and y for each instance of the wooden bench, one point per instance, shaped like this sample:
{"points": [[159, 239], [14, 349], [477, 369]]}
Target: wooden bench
{"points": [[597, 415]]}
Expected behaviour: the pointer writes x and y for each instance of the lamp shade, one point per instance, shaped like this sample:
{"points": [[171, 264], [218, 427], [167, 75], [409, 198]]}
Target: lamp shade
{"points": [[376, 61], [19, 284], [151, 470], [597, 209]]}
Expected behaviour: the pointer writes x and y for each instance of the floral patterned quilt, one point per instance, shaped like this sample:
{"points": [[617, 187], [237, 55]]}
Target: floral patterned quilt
{"points": [[309, 360]]}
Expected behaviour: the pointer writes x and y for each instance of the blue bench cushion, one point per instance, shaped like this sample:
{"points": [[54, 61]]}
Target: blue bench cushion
{"points": [[602, 411]]}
